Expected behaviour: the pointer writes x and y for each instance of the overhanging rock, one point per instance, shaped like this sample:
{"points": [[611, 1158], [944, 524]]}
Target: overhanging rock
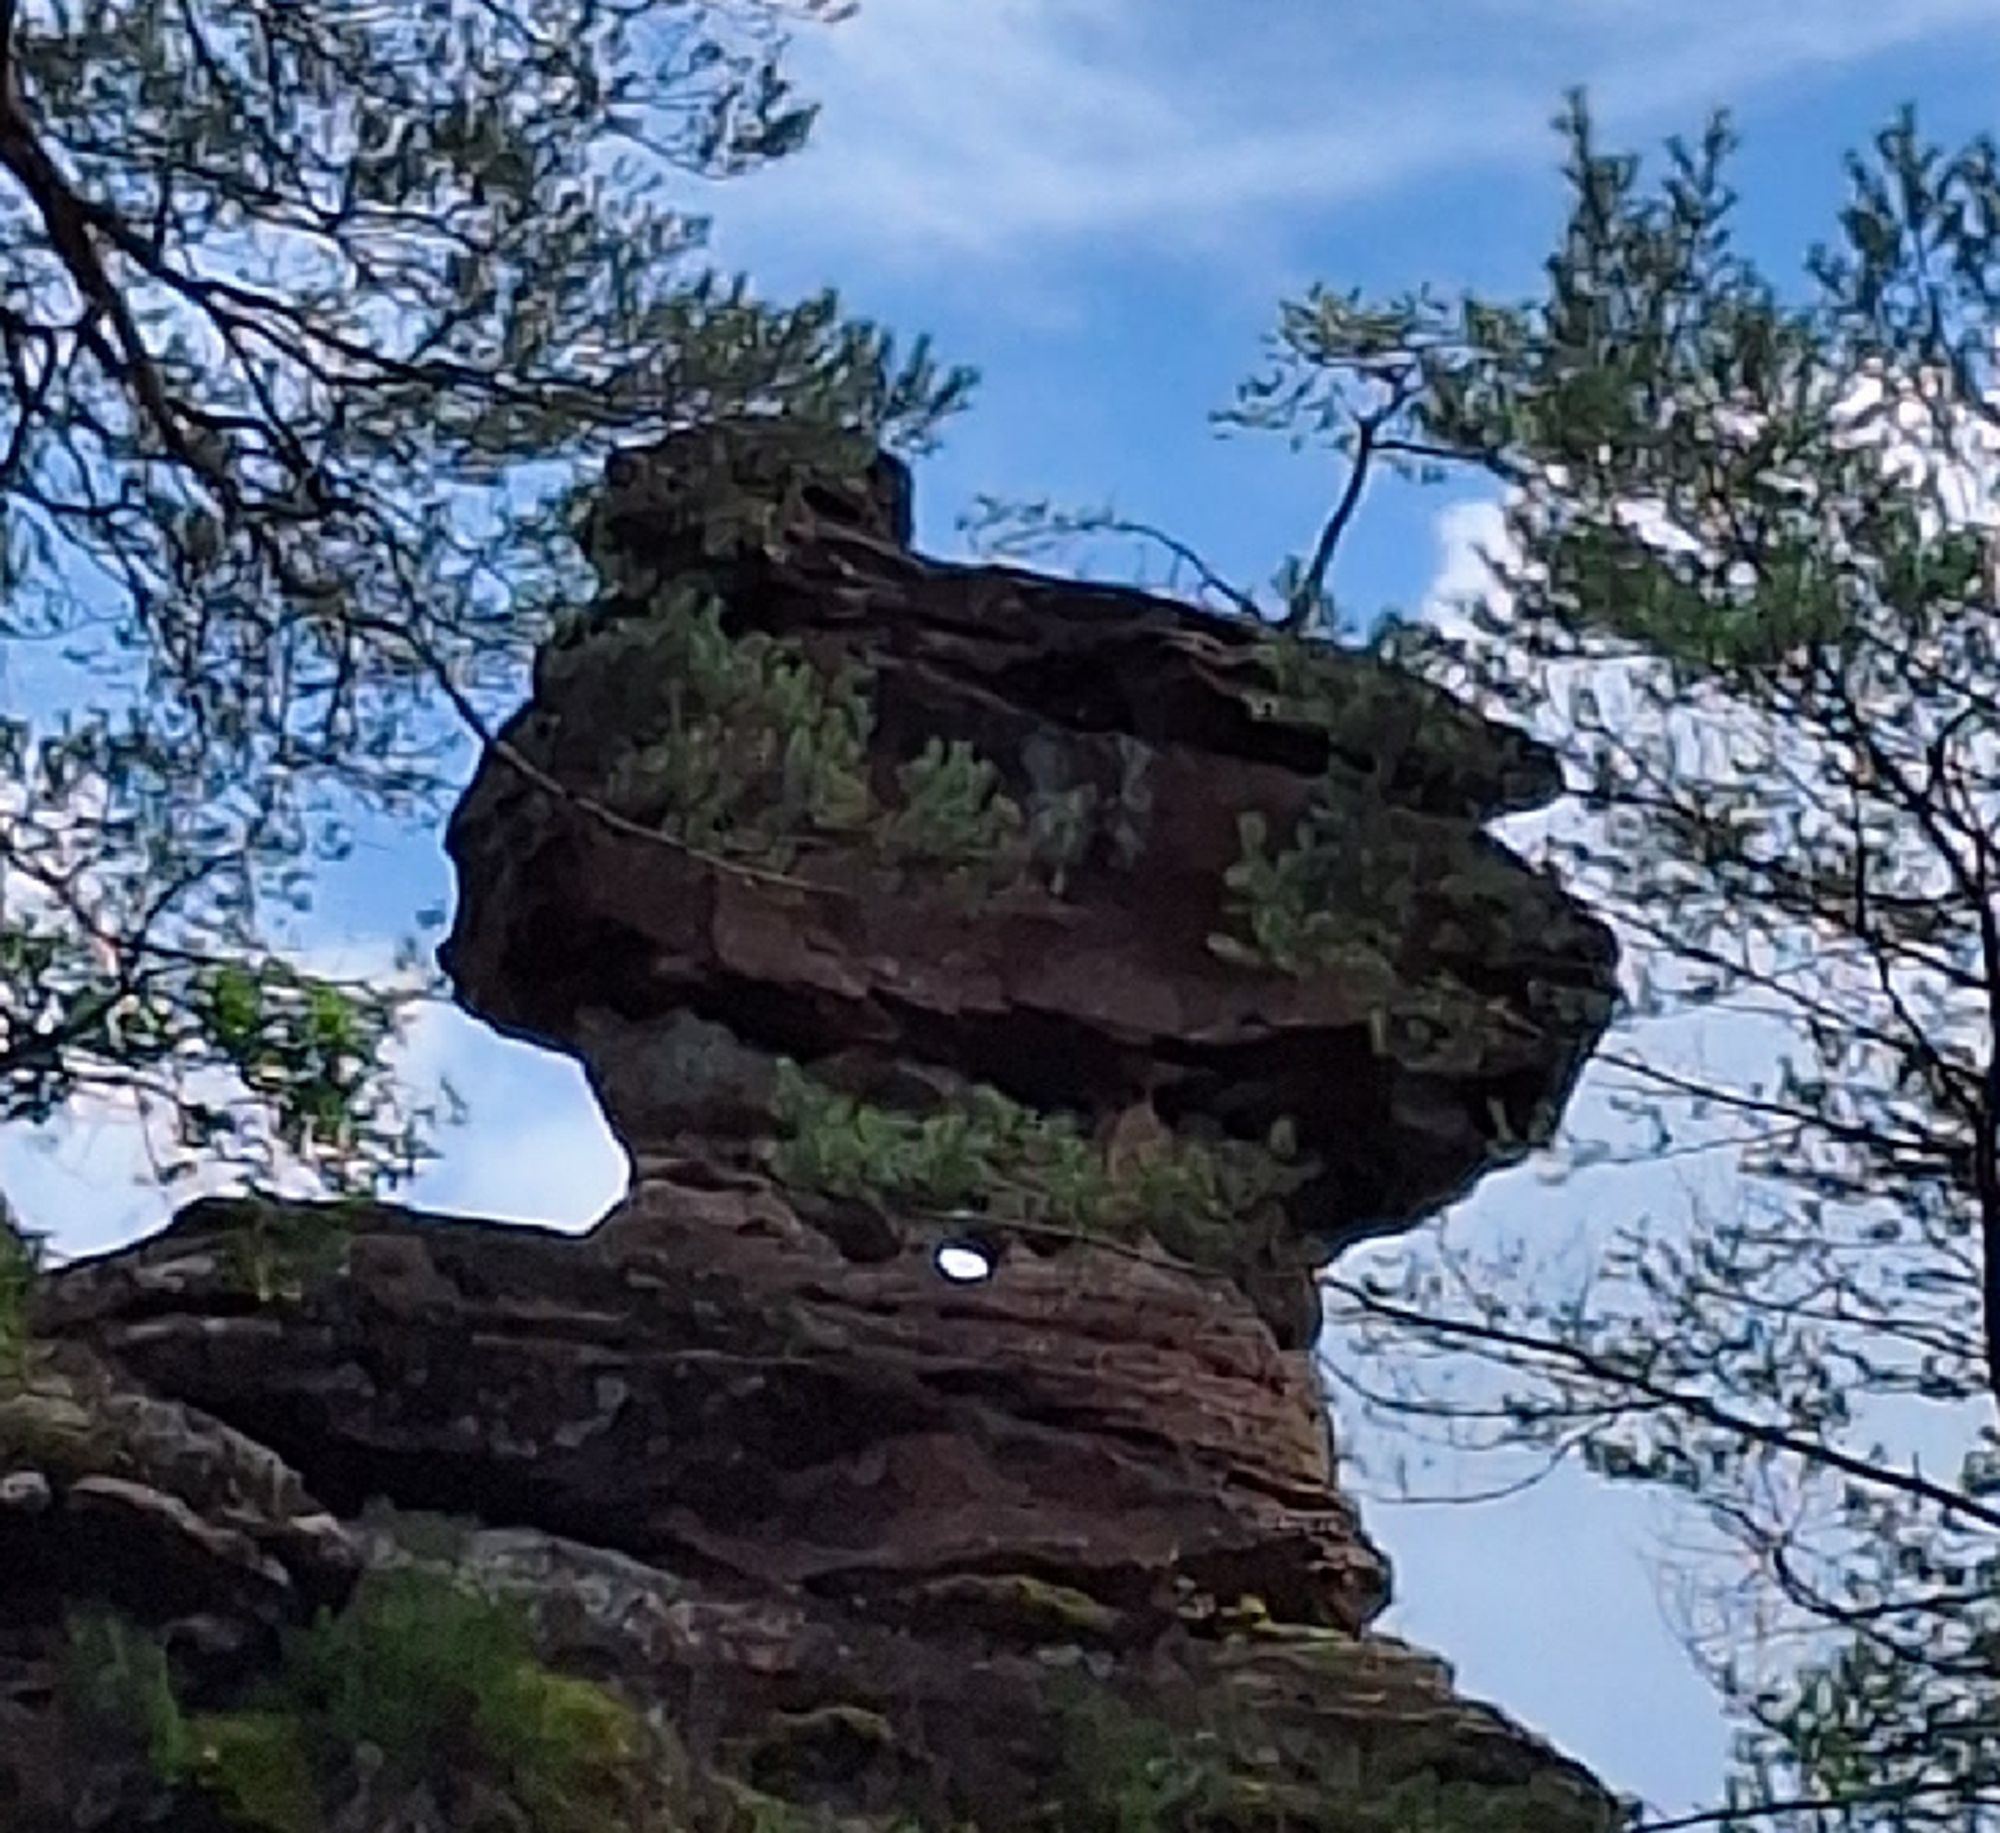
{"points": [[887, 903], [1063, 908]]}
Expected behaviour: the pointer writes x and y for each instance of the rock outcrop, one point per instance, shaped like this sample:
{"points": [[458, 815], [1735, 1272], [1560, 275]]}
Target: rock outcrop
{"points": [[893, 907]]}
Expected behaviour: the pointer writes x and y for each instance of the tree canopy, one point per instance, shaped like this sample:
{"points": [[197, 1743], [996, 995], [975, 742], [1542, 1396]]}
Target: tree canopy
{"points": [[1745, 586], [313, 320]]}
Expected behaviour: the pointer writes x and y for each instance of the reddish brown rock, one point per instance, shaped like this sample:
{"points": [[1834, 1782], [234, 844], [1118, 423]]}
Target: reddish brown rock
{"points": [[705, 1382], [1061, 1546], [1404, 1074]]}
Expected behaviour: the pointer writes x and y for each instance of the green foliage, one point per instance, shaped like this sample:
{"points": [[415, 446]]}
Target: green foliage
{"points": [[757, 748], [441, 1690], [753, 750], [951, 810], [566, 1743], [1069, 822], [1877, 1738], [984, 1155], [1119, 1771], [1745, 590], [438, 1681], [1342, 898], [399, 1668], [1296, 907], [312, 1052], [301, 494], [1305, 680], [257, 1767], [948, 1160], [1062, 824], [170, 995], [1662, 370], [422, 1669], [20, 1262], [1373, 714], [277, 1250], [113, 1683]]}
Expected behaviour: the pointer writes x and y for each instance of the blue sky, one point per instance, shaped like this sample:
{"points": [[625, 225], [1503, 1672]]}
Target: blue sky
{"points": [[1100, 203]]}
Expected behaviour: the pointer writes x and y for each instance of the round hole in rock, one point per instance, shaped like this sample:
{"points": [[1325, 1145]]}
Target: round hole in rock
{"points": [[963, 1262]]}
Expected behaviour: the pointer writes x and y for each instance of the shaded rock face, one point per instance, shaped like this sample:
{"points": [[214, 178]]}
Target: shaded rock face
{"points": [[1061, 1546], [1448, 1031]]}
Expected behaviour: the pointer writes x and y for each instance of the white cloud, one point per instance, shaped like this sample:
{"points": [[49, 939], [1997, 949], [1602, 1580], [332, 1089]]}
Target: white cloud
{"points": [[1037, 128], [534, 1148], [1466, 533]]}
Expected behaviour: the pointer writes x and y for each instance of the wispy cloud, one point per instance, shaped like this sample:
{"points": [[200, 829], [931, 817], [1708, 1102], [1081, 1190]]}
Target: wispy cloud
{"points": [[985, 133]]}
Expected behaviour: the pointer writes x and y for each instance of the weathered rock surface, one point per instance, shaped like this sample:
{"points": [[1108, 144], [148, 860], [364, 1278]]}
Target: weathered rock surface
{"points": [[1062, 1546], [706, 1383], [1405, 1071]]}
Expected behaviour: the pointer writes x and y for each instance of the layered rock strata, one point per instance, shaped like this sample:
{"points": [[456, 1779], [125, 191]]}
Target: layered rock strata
{"points": [[892, 907]]}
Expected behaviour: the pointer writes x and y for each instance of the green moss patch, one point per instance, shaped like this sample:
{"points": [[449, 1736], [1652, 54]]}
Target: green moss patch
{"points": [[19, 1266], [419, 1680]]}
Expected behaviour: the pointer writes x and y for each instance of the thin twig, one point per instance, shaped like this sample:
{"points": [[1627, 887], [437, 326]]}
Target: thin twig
{"points": [[1306, 595], [1631, 1380]]}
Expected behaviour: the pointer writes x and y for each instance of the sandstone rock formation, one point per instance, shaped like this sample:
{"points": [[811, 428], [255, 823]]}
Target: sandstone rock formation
{"points": [[889, 904]]}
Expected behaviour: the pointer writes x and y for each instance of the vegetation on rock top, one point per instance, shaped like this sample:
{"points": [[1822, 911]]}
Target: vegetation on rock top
{"points": [[417, 1685]]}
